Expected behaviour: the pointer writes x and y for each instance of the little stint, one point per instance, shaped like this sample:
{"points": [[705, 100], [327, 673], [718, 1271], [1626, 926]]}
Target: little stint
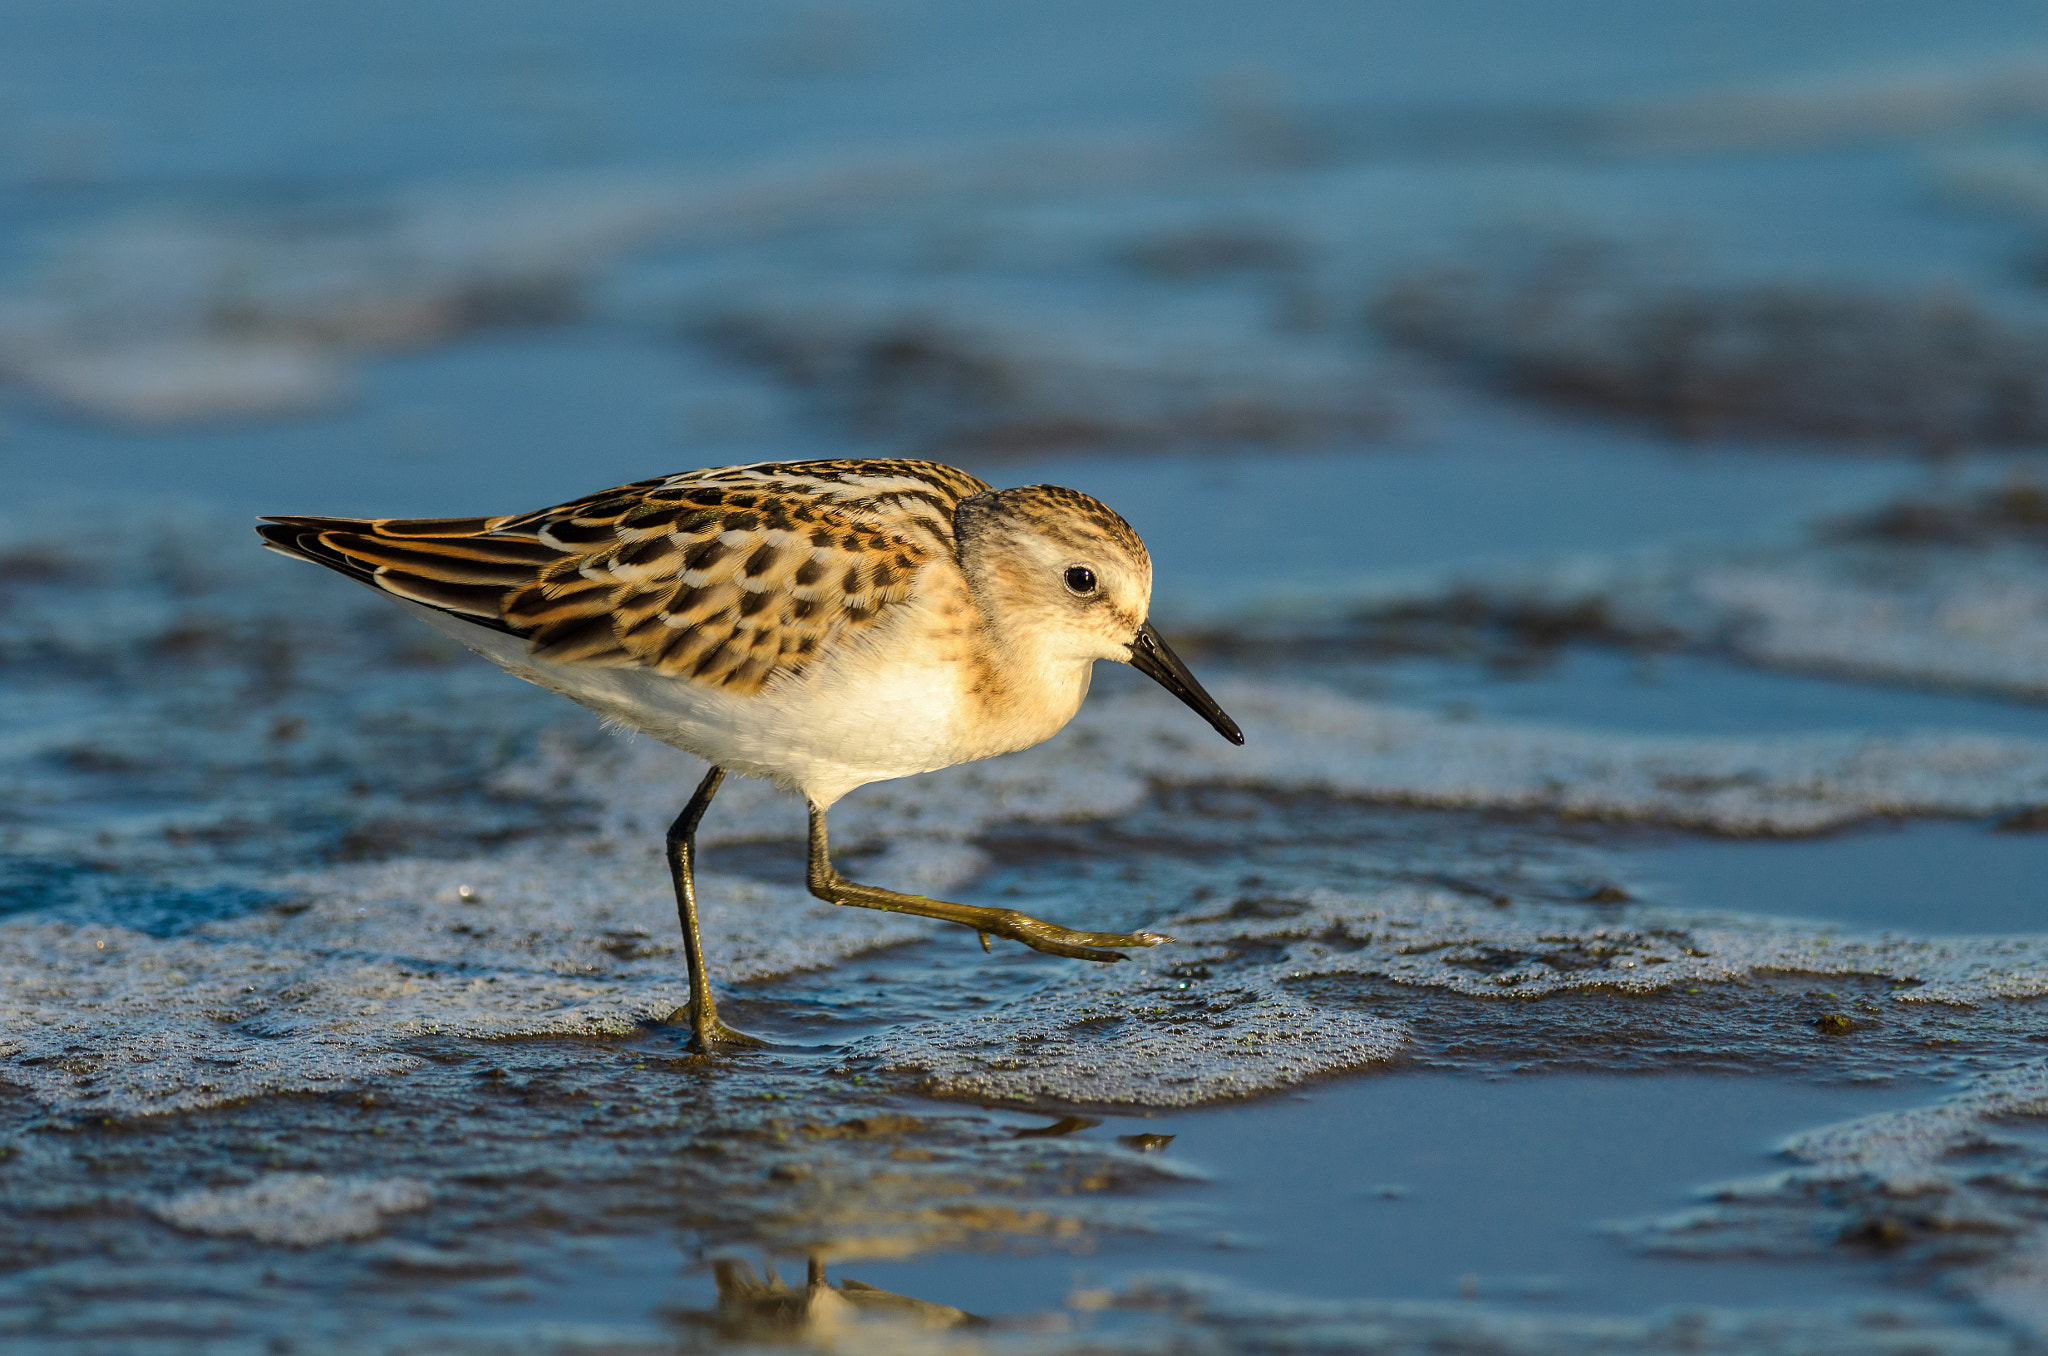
{"points": [[822, 624]]}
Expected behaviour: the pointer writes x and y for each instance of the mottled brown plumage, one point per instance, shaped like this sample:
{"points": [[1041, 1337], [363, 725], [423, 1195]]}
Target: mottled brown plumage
{"points": [[726, 577]]}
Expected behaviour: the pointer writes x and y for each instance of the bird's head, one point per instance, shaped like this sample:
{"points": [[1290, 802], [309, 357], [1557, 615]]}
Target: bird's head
{"points": [[1064, 570]]}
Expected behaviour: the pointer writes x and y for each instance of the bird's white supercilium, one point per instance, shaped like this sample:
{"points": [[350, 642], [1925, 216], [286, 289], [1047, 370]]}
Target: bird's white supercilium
{"points": [[822, 624]]}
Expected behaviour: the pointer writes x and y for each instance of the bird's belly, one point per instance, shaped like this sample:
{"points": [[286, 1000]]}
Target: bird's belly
{"points": [[891, 725], [823, 737]]}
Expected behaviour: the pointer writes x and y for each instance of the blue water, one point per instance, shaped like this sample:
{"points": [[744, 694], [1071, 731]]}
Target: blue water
{"points": [[1415, 1186], [220, 95], [1917, 879], [1402, 1185]]}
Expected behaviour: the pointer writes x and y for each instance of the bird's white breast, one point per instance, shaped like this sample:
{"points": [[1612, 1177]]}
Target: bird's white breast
{"points": [[884, 707]]}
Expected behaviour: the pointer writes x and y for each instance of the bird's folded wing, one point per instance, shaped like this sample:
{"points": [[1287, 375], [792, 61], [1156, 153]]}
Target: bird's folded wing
{"points": [[725, 578]]}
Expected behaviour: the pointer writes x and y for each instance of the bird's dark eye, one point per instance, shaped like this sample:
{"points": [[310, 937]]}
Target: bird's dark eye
{"points": [[1081, 579]]}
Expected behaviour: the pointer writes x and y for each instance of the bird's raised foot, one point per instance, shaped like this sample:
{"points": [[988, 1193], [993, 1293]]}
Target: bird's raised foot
{"points": [[1055, 940], [1035, 933]]}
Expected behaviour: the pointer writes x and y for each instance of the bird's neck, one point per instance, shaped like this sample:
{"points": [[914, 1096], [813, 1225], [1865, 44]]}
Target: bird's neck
{"points": [[1021, 699]]}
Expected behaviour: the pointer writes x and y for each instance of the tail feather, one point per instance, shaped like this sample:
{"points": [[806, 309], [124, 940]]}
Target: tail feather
{"points": [[423, 559], [442, 563], [302, 542], [434, 527], [471, 602]]}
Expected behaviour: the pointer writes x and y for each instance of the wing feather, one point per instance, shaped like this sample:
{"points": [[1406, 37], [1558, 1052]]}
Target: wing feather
{"points": [[728, 577]]}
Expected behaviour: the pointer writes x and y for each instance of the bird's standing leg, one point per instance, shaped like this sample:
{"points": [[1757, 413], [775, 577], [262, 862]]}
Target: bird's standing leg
{"points": [[706, 1030], [827, 884]]}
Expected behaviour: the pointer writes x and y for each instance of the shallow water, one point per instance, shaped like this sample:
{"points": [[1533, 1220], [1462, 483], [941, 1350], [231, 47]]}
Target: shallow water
{"points": [[1415, 1185], [1433, 1187], [1928, 879], [1665, 693], [1563, 879]]}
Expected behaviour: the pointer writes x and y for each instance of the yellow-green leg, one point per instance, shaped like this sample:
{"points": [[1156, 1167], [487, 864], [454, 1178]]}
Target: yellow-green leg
{"points": [[707, 1032], [827, 884]]}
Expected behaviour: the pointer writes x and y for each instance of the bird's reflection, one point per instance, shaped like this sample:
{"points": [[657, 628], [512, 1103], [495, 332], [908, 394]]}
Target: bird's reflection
{"points": [[757, 1307], [1065, 1125]]}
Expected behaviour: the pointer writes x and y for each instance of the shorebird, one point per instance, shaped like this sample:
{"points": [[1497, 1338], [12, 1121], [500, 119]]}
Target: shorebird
{"points": [[821, 624]]}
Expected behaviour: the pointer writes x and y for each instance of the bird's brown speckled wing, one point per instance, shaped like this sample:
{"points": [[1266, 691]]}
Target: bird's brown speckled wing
{"points": [[725, 577]]}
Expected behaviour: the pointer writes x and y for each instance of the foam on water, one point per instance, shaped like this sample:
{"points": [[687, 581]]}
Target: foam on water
{"points": [[1955, 618], [316, 977], [1930, 590], [575, 937], [318, 993], [1219, 1014], [1142, 1039], [300, 1210]]}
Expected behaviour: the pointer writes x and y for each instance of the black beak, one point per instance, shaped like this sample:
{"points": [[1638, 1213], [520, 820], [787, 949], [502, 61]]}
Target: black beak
{"points": [[1151, 656]]}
